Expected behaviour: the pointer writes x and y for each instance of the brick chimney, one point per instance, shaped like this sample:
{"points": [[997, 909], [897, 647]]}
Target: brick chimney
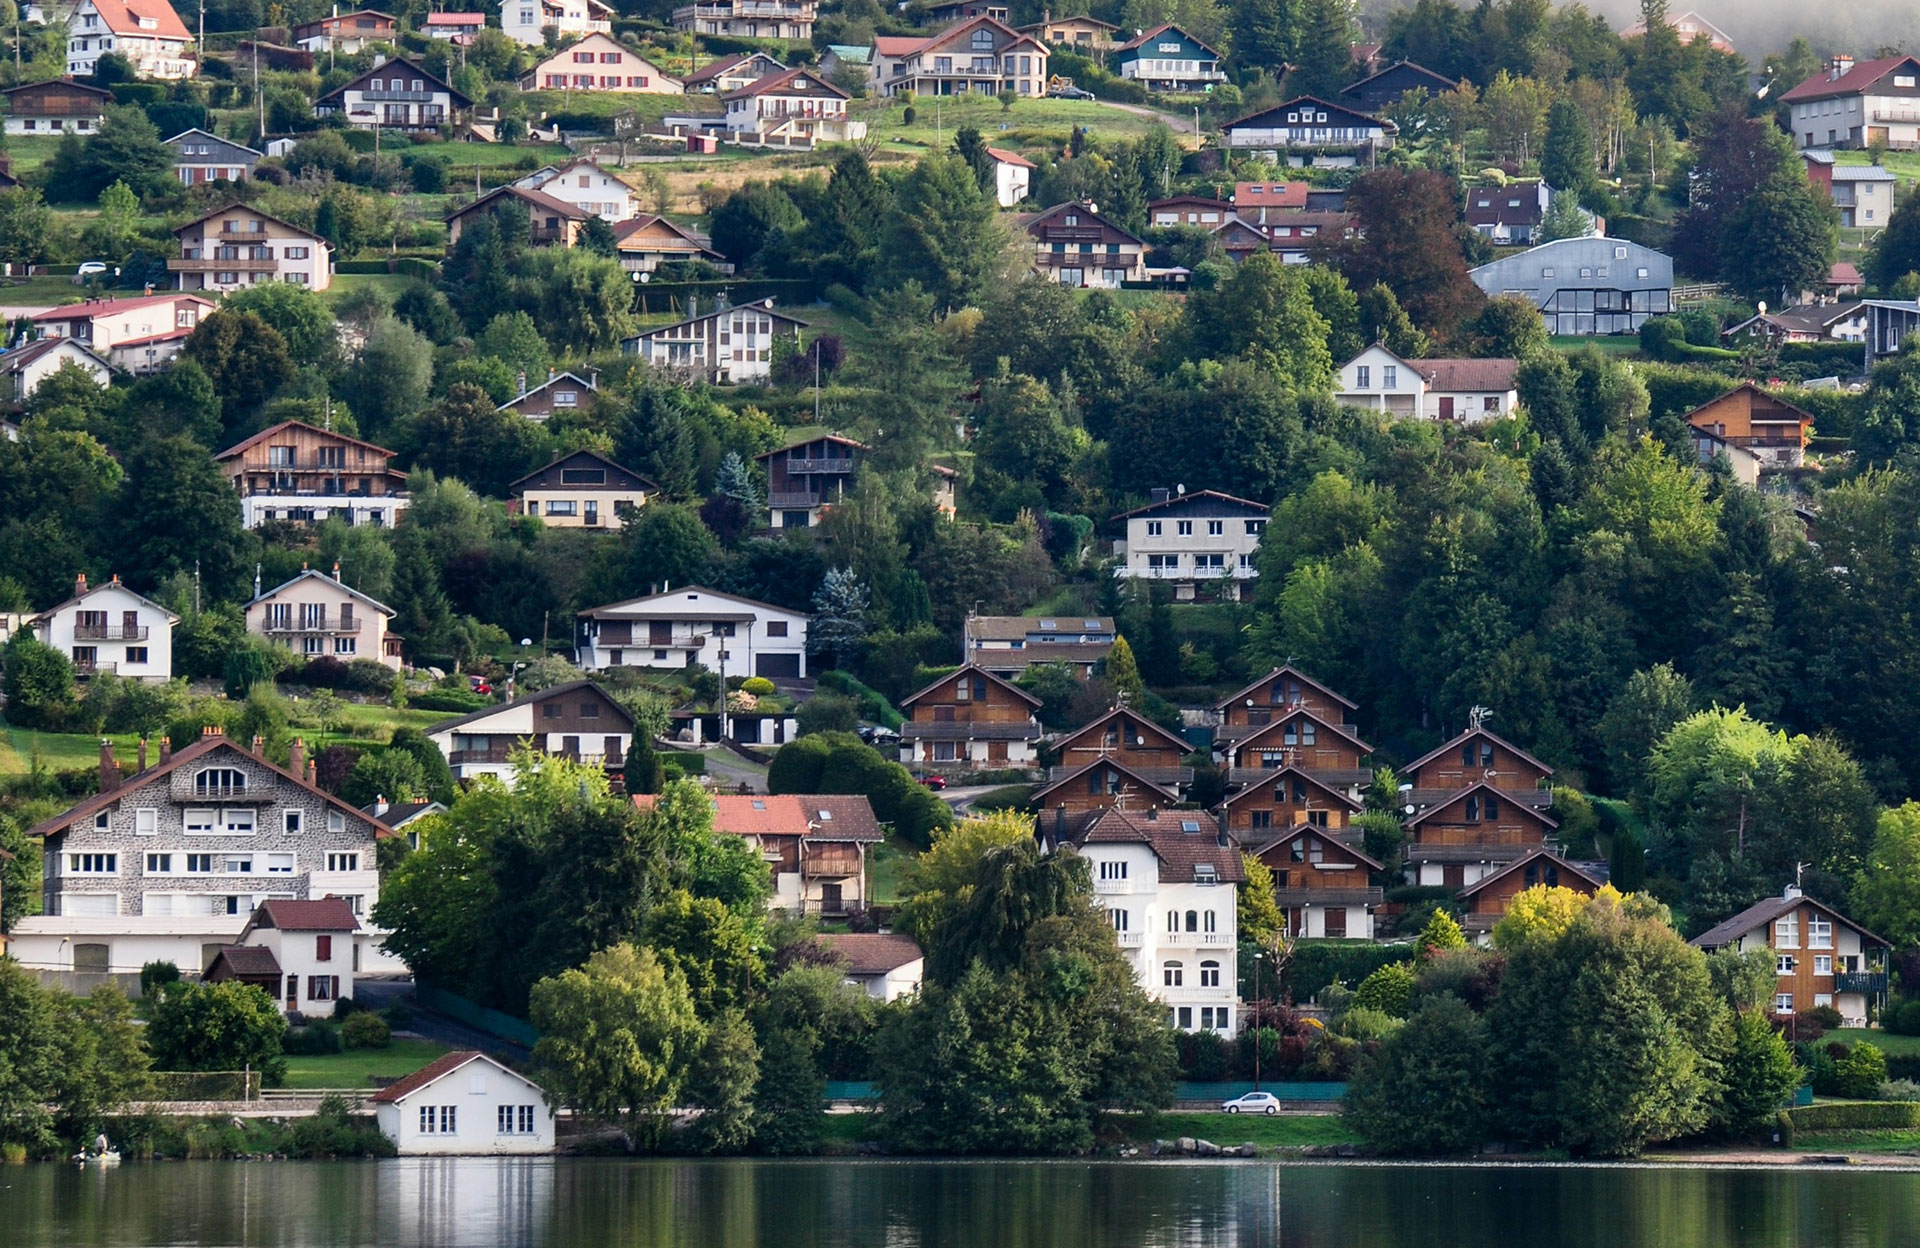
{"points": [[1841, 66], [259, 743], [212, 730], [166, 750], [297, 756], [80, 585], [313, 773], [109, 770], [143, 753], [336, 569]]}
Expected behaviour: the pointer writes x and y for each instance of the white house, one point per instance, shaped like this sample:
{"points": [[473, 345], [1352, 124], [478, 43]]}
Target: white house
{"points": [[588, 187], [1307, 122], [148, 33], [1849, 104], [465, 1103], [885, 965], [677, 628], [320, 616], [576, 721], [1012, 176], [1167, 882], [597, 63], [528, 20], [310, 950], [729, 344], [141, 333], [795, 108], [29, 364], [394, 95], [1192, 538], [109, 628], [1466, 390]]}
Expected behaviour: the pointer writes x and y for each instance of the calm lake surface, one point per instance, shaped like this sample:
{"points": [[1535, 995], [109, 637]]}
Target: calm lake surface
{"points": [[915, 1204]]}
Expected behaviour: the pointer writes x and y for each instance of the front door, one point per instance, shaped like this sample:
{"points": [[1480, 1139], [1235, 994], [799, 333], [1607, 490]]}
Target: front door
{"points": [[1446, 407], [593, 514], [830, 902]]}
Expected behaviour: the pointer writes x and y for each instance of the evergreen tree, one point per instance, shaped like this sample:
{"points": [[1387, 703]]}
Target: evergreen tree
{"points": [[180, 517], [1263, 34], [1325, 32], [734, 480], [969, 146], [653, 438], [1123, 673], [943, 233], [1566, 158], [839, 616]]}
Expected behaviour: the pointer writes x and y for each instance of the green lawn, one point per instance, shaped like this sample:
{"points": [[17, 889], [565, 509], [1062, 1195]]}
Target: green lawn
{"points": [[613, 103], [1227, 1130], [1856, 1141], [884, 868], [344, 284], [357, 1067], [936, 118], [1885, 1041], [1613, 345], [62, 751]]}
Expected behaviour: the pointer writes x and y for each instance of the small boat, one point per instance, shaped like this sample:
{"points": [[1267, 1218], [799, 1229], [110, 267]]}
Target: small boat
{"points": [[111, 1157]]}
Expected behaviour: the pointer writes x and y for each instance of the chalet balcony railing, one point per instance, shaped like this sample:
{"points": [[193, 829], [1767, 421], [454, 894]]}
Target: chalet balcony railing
{"points": [[315, 624], [286, 491], [1328, 896], [194, 264], [842, 466], [110, 632], [961, 730], [1868, 982], [93, 667], [746, 9], [212, 789], [797, 498], [1155, 775], [398, 97]]}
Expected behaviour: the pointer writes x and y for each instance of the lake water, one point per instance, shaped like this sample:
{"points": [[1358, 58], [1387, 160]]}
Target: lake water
{"points": [[927, 1204]]}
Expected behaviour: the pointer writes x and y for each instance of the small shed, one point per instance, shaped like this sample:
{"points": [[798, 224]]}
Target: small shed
{"points": [[465, 1103]]}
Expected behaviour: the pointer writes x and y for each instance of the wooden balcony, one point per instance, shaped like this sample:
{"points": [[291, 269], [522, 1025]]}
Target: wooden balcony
{"points": [[314, 624], [248, 265], [110, 632]]}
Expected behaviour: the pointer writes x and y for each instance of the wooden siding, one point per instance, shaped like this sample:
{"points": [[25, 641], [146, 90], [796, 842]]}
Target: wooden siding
{"points": [[1451, 771]]}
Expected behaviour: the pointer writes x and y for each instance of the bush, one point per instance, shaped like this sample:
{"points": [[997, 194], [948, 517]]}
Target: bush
{"points": [[247, 667], [366, 1030], [313, 1040], [325, 672], [1899, 1090], [1829, 1018], [449, 700], [1904, 1019], [1859, 1073], [758, 686], [1319, 963], [334, 1132], [369, 676], [1859, 1116], [1388, 990], [157, 975]]}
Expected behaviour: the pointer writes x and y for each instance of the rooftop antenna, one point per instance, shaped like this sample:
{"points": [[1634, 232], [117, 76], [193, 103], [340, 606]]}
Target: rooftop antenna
{"points": [[1477, 718]]}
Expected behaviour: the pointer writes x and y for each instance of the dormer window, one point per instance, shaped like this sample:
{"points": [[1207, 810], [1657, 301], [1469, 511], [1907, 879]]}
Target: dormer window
{"points": [[219, 782]]}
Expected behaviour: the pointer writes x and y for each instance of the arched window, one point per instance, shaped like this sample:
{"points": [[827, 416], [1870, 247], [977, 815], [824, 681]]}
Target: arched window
{"points": [[219, 782], [1209, 922], [1170, 974], [1173, 920], [1193, 921], [1209, 974]]}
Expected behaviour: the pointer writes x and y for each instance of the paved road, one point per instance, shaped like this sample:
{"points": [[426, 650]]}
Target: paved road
{"points": [[1176, 122]]}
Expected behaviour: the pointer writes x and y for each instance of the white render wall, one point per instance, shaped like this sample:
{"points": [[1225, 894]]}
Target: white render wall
{"points": [[60, 632], [475, 1092], [1148, 943]]}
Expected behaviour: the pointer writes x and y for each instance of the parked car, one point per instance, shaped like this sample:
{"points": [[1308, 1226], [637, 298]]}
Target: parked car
{"points": [[936, 783], [873, 734], [479, 684], [1253, 1103], [1069, 93]]}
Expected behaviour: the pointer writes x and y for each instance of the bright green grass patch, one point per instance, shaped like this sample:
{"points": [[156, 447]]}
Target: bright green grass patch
{"points": [[1229, 1130], [889, 859], [344, 284], [613, 103], [1612, 345], [1885, 1041], [490, 155], [64, 751], [1856, 1141], [937, 118], [356, 1068]]}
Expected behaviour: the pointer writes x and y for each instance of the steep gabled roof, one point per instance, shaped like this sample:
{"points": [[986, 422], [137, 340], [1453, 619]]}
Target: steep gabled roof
{"points": [[1322, 835], [1352, 114], [310, 574], [115, 583], [1864, 74], [871, 953], [539, 199], [762, 305], [1140, 41], [1043, 217], [245, 960], [1252, 739], [1751, 390], [439, 1068], [207, 134], [1276, 774], [265, 216], [1176, 499], [633, 225], [1170, 739], [1181, 839], [1006, 157], [1456, 795], [386, 68], [834, 438], [555, 380], [1761, 913], [1537, 853], [554, 691], [1440, 81], [1080, 773], [194, 753], [125, 17], [21, 356], [1469, 735], [64, 83], [1287, 670], [328, 914], [976, 670], [783, 81]]}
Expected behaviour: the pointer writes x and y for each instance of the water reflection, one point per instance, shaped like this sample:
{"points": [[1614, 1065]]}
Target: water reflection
{"points": [[482, 1202]]}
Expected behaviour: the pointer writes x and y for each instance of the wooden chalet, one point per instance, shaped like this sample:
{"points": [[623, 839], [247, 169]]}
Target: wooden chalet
{"points": [[1256, 705], [1477, 756], [1487, 899], [1377, 93], [1131, 738], [1323, 886], [1099, 785], [1772, 429], [1461, 839], [1285, 798], [1300, 738], [970, 720], [1076, 246]]}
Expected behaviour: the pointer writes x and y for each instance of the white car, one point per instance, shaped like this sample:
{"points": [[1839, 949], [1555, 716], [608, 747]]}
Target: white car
{"points": [[1253, 1103], [91, 268]]}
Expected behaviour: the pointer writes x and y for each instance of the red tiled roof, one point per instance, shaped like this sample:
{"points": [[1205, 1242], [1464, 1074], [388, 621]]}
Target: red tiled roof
{"points": [[898, 45], [1009, 158], [1863, 75], [102, 307], [123, 17], [1180, 848], [771, 815], [782, 81], [1274, 194], [329, 914], [1844, 274], [871, 953], [1459, 375], [445, 1064]]}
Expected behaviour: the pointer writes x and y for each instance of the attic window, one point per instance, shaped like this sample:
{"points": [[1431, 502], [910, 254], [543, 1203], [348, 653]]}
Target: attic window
{"points": [[1047, 626], [826, 816], [1903, 80], [1513, 203], [759, 805], [1203, 873], [1485, 203], [1547, 272], [1189, 825], [1619, 253]]}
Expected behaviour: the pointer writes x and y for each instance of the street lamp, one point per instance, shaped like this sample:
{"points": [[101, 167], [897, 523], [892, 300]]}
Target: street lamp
{"points": [[514, 675], [1259, 956]]}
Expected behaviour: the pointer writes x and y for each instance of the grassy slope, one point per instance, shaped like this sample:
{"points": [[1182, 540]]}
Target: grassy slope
{"points": [[353, 1068], [1027, 120], [1885, 1041]]}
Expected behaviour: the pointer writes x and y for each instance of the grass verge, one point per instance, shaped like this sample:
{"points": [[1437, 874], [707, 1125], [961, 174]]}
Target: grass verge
{"points": [[357, 1068], [1885, 1041], [1856, 1141], [1227, 1130]]}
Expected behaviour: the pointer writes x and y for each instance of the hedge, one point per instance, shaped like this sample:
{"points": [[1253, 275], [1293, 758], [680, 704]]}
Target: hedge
{"points": [[1856, 1116], [1845, 358], [650, 298], [1317, 963]]}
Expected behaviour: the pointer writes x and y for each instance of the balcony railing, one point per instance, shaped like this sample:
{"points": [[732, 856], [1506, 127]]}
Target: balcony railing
{"points": [[1868, 982], [841, 466], [209, 789], [313, 624], [1131, 940], [110, 632], [796, 498], [398, 97], [1192, 993], [93, 667], [961, 730], [1113, 886], [193, 265], [747, 9]]}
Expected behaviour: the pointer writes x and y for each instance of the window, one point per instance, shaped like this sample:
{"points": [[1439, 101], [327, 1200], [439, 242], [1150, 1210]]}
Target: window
{"points": [[159, 864], [219, 782], [1113, 870], [336, 822], [343, 862], [199, 864], [1216, 528], [279, 864], [291, 821], [589, 710], [1259, 819], [1784, 964], [1819, 933], [1171, 974], [1783, 1003], [93, 864], [1184, 528], [239, 864], [1473, 810], [1207, 922], [1153, 528], [236, 822], [136, 654], [1119, 920], [323, 948], [1786, 932], [1193, 921], [327, 988], [146, 822], [1209, 974], [514, 1120], [1389, 376], [1256, 528], [1823, 964]]}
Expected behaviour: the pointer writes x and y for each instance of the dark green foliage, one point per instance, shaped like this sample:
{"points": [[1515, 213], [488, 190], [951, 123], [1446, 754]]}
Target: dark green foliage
{"points": [[39, 683], [156, 975], [227, 1026], [839, 762], [1425, 1091], [1758, 1076]]}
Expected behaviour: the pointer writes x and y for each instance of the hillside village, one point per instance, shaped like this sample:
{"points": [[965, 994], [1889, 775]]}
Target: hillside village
{"points": [[816, 516]]}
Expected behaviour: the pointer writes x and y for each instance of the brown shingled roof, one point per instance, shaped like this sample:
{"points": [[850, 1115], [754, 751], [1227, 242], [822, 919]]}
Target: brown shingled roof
{"points": [[1469, 374], [871, 953], [246, 960], [1181, 839], [329, 914]]}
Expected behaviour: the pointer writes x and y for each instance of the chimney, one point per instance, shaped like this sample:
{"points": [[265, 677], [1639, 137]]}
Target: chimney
{"points": [[212, 730], [552, 372], [143, 753], [256, 580], [336, 569], [80, 585], [1792, 893], [313, 773], [1841, 67], [1160, 493], [297, 756], [1153, 814], [523, 382], [166, 750], [379, 805], [259, 743], [109, 770]]}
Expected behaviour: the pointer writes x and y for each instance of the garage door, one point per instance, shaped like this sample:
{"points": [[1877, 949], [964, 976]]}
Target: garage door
{"points": [[773, 666]]}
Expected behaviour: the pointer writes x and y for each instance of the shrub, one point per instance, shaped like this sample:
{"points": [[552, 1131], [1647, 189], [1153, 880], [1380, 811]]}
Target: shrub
{"points": [[366, 1030], [1388, 990], [1362, 1023], [1829, 1018], [157, 975], [449, 700], [247, 667], [1899, 1090], [1859, 1116], [313, 1040], [1904, 1019], [1806, 1028], [1203, 1056], [1860, 1073], [1423, 1092], [758, 686], [1316, 964], [369, 676]]}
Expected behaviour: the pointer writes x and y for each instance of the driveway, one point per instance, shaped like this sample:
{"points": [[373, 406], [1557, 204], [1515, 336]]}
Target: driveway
{"points": [[1175, 122], [377, 994]]}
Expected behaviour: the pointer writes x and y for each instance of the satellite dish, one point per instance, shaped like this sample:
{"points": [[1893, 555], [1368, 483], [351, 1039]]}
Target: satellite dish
{"points": [[1763, 307]]}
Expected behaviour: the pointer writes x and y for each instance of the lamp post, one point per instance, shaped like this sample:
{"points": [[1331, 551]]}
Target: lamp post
{"points": [[1258, 957], [514, 675]]}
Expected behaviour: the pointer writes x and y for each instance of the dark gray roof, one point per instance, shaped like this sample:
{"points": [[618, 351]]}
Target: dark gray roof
{"points": [[572, 686], [1761, 913]]}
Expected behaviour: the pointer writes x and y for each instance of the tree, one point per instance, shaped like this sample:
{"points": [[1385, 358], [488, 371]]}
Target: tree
{"points": [[1886, 892], [709, 946], [722, 1084], [1894, 254], [1264, 313], [1259, 919], [389, 377], [466, 436], [944, 233], [1537, 917], [512, 337], [1782, 240], [1564, 218], [245, 358], [1405, 238], [1123, 673], [26, 226], [618, 1038], [1425, 1091], [1651, 703], [103, 1063], [1441, 935], [1264, 34], [581, 301], [1566, 158], [225, 1026], [39, 683], [741, 225], [1511, 327], [187, 520], [126, 148], [936, 883], [1388, 989], [839, 616], [664, 545], [971, 148], [1324, 35], [296, 313]]}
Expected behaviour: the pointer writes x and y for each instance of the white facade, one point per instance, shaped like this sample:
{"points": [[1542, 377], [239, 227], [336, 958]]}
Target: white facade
{"points": [[148, 33], [319, 967], [597, 63], [722, 632], [1381, 381], [120, 945], [1181, 939], [319, 617], [1012, 177], [28, 365], [477, 1107], [1469, 391], [1194, 538], [111, 629], [901, 981], [797, 108], [732, 345], [588, 187], [527, 20]]}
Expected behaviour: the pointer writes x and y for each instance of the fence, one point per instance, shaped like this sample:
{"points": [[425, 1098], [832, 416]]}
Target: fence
{"points": [[206, 1085], [493, 1022], [1316, 1092]]}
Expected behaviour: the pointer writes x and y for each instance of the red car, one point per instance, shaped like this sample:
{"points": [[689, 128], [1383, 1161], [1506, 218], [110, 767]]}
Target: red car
{"points": [[479, 685], [936, 783]]}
